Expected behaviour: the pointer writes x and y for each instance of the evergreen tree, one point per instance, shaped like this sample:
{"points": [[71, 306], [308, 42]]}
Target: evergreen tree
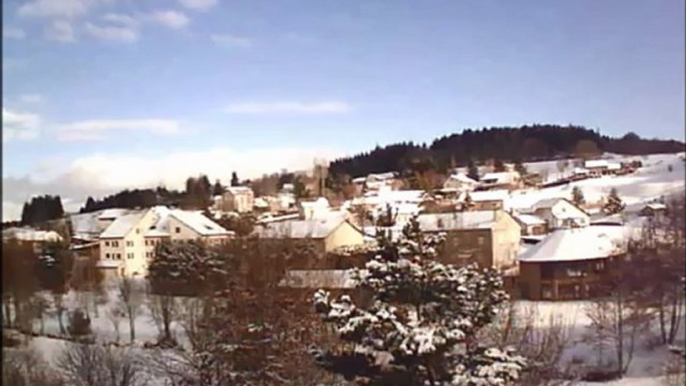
{"points": [[472, 170], [613, 203], [520, 168], [234, 179], [422, 321], [578, 196], [498, 165], [218, 189]]}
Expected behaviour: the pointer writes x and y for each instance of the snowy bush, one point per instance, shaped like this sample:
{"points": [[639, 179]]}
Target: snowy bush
{"points": [[79, 323], [422, 324]]}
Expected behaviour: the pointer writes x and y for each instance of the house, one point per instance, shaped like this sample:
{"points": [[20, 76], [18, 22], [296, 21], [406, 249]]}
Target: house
{"points": [[531, 225], [314, 209], [570, 263], [599, 167], [460, 182], [326, 233], [86, 227], [653, 209], [489, 238], [560, 213], [501, 180], [239, 199], [27, 235], [128, 244], [487, 200]]}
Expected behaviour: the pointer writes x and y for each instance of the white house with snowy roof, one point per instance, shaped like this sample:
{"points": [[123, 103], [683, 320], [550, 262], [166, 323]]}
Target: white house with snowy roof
{"points": [[460, 182], [560, 213], [128, 244], [501, 180]]}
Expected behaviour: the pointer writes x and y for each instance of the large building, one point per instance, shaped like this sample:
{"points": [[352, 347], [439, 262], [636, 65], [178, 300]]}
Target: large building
{"points": [[239, 199], [128, 244], [326, 233], [570, 263], [489, 238]]}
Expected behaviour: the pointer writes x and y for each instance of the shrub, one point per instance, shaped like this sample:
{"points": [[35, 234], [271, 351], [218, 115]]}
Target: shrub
{"points": [[79, 323]]}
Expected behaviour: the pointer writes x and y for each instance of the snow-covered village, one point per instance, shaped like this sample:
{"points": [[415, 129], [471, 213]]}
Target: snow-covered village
{"points": [[330, 193]]}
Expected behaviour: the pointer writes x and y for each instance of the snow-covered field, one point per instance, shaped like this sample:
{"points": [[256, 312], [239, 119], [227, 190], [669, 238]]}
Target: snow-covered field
{"points": [[650, 182], [647, 367]]}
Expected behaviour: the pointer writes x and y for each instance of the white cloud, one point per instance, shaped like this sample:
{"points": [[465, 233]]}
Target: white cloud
{"points": [[198, 5], [94, 130], [169, 19], [231, 41], [13, 33], [31, 98], [121, 19], [68, 9], [19, 125], [120, 34], [60, 31], [328, 107], [102, 174]]}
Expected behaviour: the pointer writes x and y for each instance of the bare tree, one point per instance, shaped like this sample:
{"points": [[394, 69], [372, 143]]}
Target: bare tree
{"points": [[95, 365], [115, 314], [131, 297], [163, 310], [27, 368], [541, 345]]}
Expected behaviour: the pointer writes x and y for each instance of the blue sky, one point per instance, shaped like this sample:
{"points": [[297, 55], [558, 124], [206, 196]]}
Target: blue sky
{"points": [[103, 94]]}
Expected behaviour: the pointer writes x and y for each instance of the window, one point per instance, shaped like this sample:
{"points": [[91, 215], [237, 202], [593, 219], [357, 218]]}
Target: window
{"points": [[129, 256], [599, 266], [138, 231], [178, 230], [480, 240], [129, 243], [574, 272], [118, 256], [107, 255], [115, 243], [146, 243], [107, 243]]}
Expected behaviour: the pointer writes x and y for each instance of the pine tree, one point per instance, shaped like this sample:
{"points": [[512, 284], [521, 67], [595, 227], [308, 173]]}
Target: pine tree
{"points": [[578, 196], [218, 189], [613, 203], [472, 170], [498, 165], [422, 321], [234, 179]]}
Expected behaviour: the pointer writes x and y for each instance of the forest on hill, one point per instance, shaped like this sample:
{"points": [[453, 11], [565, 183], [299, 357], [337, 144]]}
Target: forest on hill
{"points": [[509, 144]]}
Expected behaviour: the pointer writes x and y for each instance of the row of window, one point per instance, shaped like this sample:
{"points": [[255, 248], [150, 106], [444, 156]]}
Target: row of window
{"points": [[117, 256], [112, 243]]}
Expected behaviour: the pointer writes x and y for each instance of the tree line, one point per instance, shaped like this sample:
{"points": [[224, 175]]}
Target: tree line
{"points": [[41, 209], [524, 144]]}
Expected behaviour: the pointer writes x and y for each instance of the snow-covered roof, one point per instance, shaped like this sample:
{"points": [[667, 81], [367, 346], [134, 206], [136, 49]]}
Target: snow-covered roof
{"points": [[573, 244], [30, 234], [108, 263], [122, 225], [261, 202], [499, 177], [320, 202], [595, 163], [301, 229], [193, 219], [529, 219], [461, 177], [546, 203], [239, 190], [580, 171], [490, 195], [359, 180], [432, 222], [656, 206], [329, 279], [381, 176], [613, 166], [112, 213]]}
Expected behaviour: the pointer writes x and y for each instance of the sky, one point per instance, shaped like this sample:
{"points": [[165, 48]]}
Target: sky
{"points": [[101, 95]]}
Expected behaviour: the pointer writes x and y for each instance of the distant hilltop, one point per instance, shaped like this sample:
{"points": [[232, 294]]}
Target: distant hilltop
{"points": [[525, 144]]}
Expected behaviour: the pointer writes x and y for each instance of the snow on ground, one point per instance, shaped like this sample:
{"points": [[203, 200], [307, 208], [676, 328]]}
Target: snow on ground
{"points": [[648, 183], [646, 368]]}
